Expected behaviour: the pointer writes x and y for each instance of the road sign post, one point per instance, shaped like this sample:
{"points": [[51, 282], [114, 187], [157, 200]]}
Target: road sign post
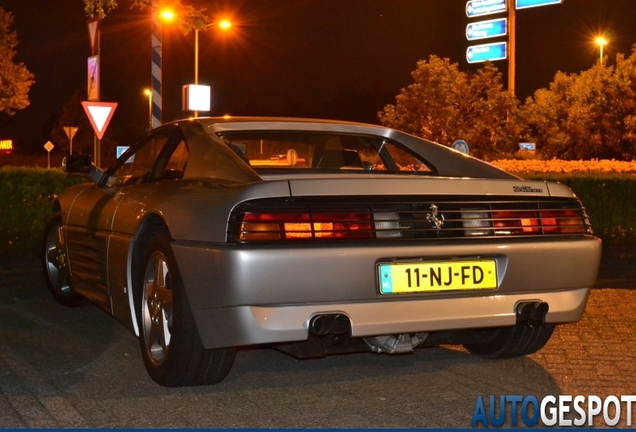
{"points": [[524, 4], [70, 132], [99, 114], [49, 146], [475, 8], [487, 29], [461, 146], [486, 52]]}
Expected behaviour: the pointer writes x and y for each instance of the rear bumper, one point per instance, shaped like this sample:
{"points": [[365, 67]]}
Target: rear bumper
{"points": [[245, 295], [250, 325]]}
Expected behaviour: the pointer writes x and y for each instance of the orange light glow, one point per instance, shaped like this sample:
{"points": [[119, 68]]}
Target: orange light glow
{"points": [[600, 41], [167, 15], [225, 24]]}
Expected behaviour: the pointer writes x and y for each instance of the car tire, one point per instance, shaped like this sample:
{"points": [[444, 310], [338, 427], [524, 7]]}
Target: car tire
{"points": [[170, 343], [514, 341], [55, 264]]}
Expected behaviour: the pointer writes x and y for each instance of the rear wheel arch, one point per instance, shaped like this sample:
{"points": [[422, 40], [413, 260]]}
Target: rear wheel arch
{"points": [[147, 229], [171, 346]]}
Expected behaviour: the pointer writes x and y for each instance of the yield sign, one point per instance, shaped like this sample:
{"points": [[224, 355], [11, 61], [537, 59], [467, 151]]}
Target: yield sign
{"points": [[99, 113], [93, 34]]}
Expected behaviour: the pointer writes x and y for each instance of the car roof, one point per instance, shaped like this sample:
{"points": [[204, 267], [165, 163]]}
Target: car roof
{"points": [[224, 124]]}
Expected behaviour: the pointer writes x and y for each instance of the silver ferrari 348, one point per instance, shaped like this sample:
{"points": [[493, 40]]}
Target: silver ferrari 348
{"points": [[315, 237]]}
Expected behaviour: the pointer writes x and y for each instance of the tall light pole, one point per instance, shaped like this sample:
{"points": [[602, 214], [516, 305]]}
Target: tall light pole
{"points": [[156, 45], [224, 25], [601, 42]]}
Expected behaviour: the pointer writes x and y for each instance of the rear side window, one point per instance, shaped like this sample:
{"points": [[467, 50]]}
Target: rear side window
{"points": [[405, 161], [317, 151], [162, 155]]}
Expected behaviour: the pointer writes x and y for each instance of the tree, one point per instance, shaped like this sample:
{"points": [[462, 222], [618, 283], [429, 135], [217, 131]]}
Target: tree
{"points": [[586, 115], [188, 18], [444, 105], [15, 79]]}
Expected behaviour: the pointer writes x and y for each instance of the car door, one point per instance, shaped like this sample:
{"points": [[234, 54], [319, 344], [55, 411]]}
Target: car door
{"points": [[90, 220]]}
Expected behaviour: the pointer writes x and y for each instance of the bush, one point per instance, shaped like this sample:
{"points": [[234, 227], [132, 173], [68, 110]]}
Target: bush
{"points": [[26, 196], [608, 200]]}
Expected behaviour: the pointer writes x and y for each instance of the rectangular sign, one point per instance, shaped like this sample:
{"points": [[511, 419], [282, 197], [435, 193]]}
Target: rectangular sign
{"points": [[527, 146], [476, 8], [487, 52], [93, 78], [420, 277], [487, 29], [523, 4], [6, 144]]}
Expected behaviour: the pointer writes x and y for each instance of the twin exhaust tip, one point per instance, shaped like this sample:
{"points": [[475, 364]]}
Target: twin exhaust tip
{"points": [[532, 313], [334, 324]]}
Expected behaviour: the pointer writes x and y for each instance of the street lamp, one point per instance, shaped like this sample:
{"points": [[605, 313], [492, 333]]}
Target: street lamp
{"points": [[224, 25], [167, 15], [601, 42]]}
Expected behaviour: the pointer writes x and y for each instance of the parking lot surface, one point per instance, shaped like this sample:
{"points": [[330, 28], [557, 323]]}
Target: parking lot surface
{"points": [[62, 367]]}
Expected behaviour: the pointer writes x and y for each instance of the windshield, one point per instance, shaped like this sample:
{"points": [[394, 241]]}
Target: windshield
{"points": [[320, 151]]}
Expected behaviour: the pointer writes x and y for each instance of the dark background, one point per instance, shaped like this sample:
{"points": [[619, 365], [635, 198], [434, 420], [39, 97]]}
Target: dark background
{"points": [[340, 59]]}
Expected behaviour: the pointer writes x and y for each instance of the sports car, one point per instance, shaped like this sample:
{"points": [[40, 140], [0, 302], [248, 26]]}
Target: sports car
{"points": [[315, 237]]}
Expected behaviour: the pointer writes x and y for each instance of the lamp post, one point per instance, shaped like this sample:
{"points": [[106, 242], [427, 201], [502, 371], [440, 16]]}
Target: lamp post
{"points": [[223, 25], [601, 42], [156, 61]]}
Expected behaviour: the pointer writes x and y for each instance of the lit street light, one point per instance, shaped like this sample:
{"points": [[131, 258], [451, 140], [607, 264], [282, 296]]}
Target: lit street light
{"points": [[167, 15], [601, 42]]}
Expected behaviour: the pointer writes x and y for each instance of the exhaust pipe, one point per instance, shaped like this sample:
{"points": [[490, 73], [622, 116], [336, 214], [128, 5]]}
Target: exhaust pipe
{"points": [[335, 324], [532, 313]]}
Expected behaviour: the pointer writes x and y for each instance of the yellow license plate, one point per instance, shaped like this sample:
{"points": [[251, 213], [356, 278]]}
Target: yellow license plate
{"points": [[418, 277]]}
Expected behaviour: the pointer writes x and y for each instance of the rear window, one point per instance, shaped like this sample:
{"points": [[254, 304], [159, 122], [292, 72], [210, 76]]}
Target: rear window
{"points": [[316, 151]]}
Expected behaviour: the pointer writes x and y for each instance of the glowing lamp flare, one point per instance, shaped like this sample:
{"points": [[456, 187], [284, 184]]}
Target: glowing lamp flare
{"points": [[225, 24], [167, 15]]}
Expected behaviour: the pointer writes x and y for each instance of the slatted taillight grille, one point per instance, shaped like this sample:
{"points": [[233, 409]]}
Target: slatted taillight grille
{"points": [[396, 219]]}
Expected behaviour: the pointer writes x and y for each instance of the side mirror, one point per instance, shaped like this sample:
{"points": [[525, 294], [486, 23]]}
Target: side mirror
{"points": [[77, 164]]}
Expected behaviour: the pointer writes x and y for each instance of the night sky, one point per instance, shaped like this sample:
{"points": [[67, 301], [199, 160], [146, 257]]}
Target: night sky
{"points": [[340, 59]]}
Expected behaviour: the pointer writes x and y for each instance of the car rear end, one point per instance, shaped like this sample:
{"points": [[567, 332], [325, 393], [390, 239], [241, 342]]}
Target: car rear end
{"points": [[370, 259]]}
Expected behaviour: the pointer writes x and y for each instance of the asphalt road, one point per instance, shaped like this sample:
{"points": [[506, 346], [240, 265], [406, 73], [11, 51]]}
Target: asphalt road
{"points": [[62, 367]]}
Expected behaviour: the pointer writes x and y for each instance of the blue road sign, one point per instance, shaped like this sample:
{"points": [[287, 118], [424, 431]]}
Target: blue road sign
{"points": [[485, 7], [461, 146], [487, 29], [523, 4], [527, 146], [121, 150], [487, 52]]}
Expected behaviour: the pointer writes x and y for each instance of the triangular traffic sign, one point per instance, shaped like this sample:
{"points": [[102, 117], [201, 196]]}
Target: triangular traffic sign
{"points": [[99, 114], [93, 34]]}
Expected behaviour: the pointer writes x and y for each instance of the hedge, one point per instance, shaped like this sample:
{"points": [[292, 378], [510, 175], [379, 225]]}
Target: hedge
{"points": [[26, 195], [609, 199]]}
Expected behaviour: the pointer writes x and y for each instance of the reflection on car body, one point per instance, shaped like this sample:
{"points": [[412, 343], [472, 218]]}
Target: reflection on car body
{"points": [[316, 237]]}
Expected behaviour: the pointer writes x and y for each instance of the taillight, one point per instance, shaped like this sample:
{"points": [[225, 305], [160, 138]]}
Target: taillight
{"points": [[537, 222], [304, 226], [515, 222], [562, 222]]}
